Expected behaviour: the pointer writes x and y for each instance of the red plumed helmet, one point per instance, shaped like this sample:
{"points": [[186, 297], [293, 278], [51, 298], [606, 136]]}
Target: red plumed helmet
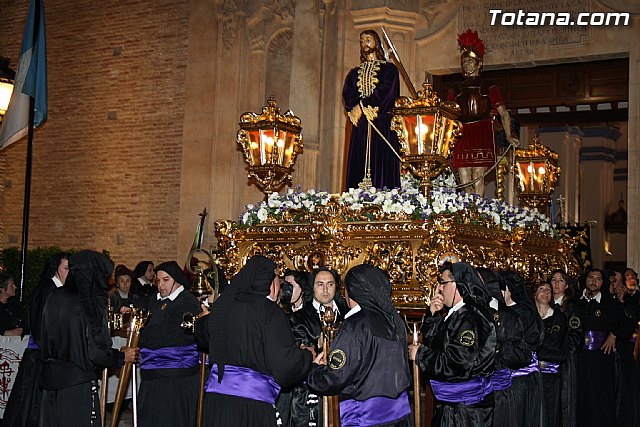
{"points": [[470, 43]]}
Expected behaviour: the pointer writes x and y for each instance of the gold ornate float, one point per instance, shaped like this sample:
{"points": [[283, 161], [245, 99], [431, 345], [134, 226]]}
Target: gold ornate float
{"points": [[409, 249], [407, 232]]}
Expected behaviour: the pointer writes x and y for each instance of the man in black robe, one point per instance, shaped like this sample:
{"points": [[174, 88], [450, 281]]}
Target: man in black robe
{"points": [[307, 327], [23, 407], [602, 318], [367, 364], [251, 348], [511, 350], [525, 381], [169, 357], [459, 349], [75, 344]]}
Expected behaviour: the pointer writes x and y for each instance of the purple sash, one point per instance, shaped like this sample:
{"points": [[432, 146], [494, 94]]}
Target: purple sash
{"points": [[529, 369], [32, 345], [243, 382], [594, 340], [467, 392], [501, 379], [373, 411], [549, 367], [170, 357]]}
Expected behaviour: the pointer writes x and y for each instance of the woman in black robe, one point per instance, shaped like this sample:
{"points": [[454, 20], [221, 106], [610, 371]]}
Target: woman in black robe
{"points": [[564, 294], [459, 350], [250, 347], [525, 381], [511, 350], [75, 344], [23, 407], [169, 357], [552, 354], [367, 364]]}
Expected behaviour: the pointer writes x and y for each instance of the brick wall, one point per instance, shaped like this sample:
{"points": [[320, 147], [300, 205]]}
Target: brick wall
{"points": [[107, 162]]}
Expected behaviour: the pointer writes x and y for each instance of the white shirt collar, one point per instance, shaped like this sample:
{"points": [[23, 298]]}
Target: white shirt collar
{"points": [[298, 308], [353, 311], [316, 305], [455, 308], [173, 295], [559, 299], [548, 314], [56, 281], [597, 297], [143, 282]]}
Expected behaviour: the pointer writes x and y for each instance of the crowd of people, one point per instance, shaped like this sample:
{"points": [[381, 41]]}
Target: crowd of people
{"points": [[494, 351]]}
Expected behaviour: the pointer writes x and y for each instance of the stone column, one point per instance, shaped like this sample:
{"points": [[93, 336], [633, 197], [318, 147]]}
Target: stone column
{"points": [[304, 93], [597, 160], [633, 190]]}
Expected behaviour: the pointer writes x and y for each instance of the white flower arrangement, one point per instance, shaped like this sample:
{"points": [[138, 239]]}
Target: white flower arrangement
{"points": [[406, 201]]}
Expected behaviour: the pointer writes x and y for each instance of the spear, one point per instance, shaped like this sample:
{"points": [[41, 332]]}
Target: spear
{"points": [[398, 62]]}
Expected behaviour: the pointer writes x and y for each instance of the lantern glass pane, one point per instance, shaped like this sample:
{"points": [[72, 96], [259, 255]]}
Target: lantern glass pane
{"points": [[288, 148], [267, 142], [254, 146]]}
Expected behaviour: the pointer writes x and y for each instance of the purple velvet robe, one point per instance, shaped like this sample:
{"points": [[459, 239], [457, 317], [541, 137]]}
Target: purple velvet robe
{"points": [[385, 166]]}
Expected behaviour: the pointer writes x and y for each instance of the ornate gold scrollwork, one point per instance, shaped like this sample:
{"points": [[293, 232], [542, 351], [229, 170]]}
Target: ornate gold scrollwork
{"points": [[409, 250]]}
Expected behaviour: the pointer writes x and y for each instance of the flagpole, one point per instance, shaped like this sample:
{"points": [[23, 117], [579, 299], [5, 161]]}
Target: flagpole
{"points": [[27, 198]]}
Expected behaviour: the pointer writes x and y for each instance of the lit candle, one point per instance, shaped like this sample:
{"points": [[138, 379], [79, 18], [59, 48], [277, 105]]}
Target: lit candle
{"points": [[532, 173], [269, 147], [263, 155], [280, 150], [415, 334], [421, 135]]}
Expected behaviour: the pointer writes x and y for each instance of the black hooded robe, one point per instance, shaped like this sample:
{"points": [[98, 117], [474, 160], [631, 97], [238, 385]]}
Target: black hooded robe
{"points": [[526, 388], [367, 362], [23, 406], [76, 344], [511, 351], [461, 349], [247, 330], [168, 396]]}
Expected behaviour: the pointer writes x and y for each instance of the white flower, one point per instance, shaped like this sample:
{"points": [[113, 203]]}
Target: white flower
{"points": [[262, 214], [408, 208]]}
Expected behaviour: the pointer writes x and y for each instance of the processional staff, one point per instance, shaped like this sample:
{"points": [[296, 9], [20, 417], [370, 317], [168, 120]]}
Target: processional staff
{"points": [[330, 404], [139, 319], [201, 289]]}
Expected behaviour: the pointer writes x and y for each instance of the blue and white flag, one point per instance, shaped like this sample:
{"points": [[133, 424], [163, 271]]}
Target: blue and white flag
{"points": [[31, 80]]}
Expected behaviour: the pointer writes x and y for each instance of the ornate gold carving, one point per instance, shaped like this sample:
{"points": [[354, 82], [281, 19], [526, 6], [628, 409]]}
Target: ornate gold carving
{"points": [[409, 250], [393, 257]]}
